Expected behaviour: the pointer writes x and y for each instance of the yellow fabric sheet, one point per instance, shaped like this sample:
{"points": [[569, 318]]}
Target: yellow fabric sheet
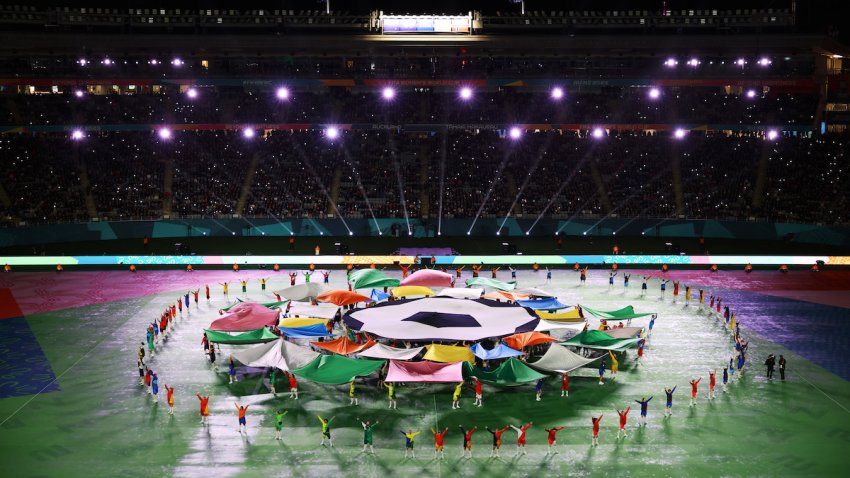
{"points": [[448, 353], [409, 290]]}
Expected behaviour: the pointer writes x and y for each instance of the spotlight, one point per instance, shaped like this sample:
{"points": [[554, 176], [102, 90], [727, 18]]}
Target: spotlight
{"points": [[764, 61], [527, 232], [248, 133], [654, 93], [83, 62], [598, 133], [177, 62], [77, 134], [671, 62], [557, 93], [388, 93], [751, 93], [192, 93], [679, 133], [439, 233], [107, 61], [332, 132], [693, 62], [164, 133], [740, 62], [154, 62], [350, 233], [466, 93], [79, 93], [468, 232], [584, 233], [380, 233], [515, 133], [498, 232], [772, 134], [614, 233], [282, 93]]}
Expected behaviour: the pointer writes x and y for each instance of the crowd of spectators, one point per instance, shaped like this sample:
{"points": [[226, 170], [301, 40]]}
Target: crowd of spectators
{"points": [[454, 173], [416, 106]]}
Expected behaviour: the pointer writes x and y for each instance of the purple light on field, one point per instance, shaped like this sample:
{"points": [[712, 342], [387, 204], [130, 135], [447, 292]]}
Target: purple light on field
{"points": [[654, 93], [679, 133], [598, 133], [557, 93], [466, 93], [164, 133], [515, 133], [77, 134], [79, 93], [772, 134], [332, 132], [192, 93], [751, 93], [282, 93], [671, 62], [248, 133], [388, 93]]}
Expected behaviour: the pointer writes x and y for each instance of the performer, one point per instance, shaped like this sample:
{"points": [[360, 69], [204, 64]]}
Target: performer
{"points": [[652, 323], [643, 286], [675, 290], [292, 276], [497, 441], [263, 283], [232, 370], [225, 286], [725, 378], [644, 407], [352, 396], [478, 394], [307, 275], [325, 276], [244, 285], [205, 408], [243, 427], [601, 371], [467, 440], [155, 387], [409, 442], [694, 385], [391, 394], [624, 415], [626, 280], [553, 439], [368, 426], [170, 398], [326, 430], [548, 275], [493, 272], [668, 410], [538, 389], [293, 386], [664, 287], [207, 291], [520, 441], [438, 442], [614, 365], [583, 275], [278, 423], [456, 396], [611, 276], [595, 440], [195, 295], [565, 385]]}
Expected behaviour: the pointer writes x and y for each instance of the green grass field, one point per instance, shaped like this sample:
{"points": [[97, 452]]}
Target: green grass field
{"points": [[102, 423]]}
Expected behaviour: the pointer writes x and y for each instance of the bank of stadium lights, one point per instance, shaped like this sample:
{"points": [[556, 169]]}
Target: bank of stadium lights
{"points": [[693, 62], [106, 61], [772, 135], [177, 62], [77, 134], [764, 61], [465, 93], [740, 62], [332, 132], [557, 93], [83, 62], [598, 133], [153, 62], [192, 93], [164, 134], [515, 133], [679, 133], [388, 93], [751, 94], [670, 62], [282, 93], [79, 93], [654, 93], [248, 133]]}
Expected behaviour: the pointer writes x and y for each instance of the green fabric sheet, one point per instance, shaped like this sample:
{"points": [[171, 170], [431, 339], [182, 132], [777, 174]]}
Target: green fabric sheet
{"points": [[336, 370], [253, 337], [511, 372], [625, 313], [491, 283]]}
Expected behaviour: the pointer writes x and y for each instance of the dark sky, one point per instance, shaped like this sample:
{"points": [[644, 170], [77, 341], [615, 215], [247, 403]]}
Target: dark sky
{"points": [[813, 15]]}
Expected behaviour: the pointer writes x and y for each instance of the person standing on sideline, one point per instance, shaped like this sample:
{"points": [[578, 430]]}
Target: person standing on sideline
{"points": [[782, 367]]}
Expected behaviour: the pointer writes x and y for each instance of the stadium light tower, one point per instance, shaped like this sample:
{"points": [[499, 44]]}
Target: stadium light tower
{"points": [[671, 63], [598, 133], [654, 93], [79, 93], [751, 93], [679, 133], [192, 93], [77, 134], [557, 93], [282, 93], [248, 133], [388, 93], [466, 93], [772, 135], [164, 133], [332, 132], [515, 133]]}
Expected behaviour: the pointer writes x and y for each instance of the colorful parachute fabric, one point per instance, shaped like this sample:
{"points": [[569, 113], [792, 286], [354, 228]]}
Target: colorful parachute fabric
{"points": [[526, 339], [568, 316], [378, 296], [498, 352], [461, 293], [342, 297], [280, 354], [625, 313], [268, 305], [336, 369], [448, 353], [428, 278], [303, 292], [511, 372], [424, 372], [367, 278], [536, 293], [624, 332], [543, 304], [504, 295], [245, 317], [258, 336], [411, 290], [596, 339], [326, 311], [343, 346], [560, 359], [303, 328], [381, 351], [490, 283], [442, 319]]}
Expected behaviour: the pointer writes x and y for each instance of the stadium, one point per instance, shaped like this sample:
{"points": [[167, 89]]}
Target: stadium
{"points": [[304, 238]]}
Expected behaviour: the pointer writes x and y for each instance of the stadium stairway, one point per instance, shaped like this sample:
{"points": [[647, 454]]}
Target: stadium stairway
{"points": [[246, 185], [167, 187]]}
